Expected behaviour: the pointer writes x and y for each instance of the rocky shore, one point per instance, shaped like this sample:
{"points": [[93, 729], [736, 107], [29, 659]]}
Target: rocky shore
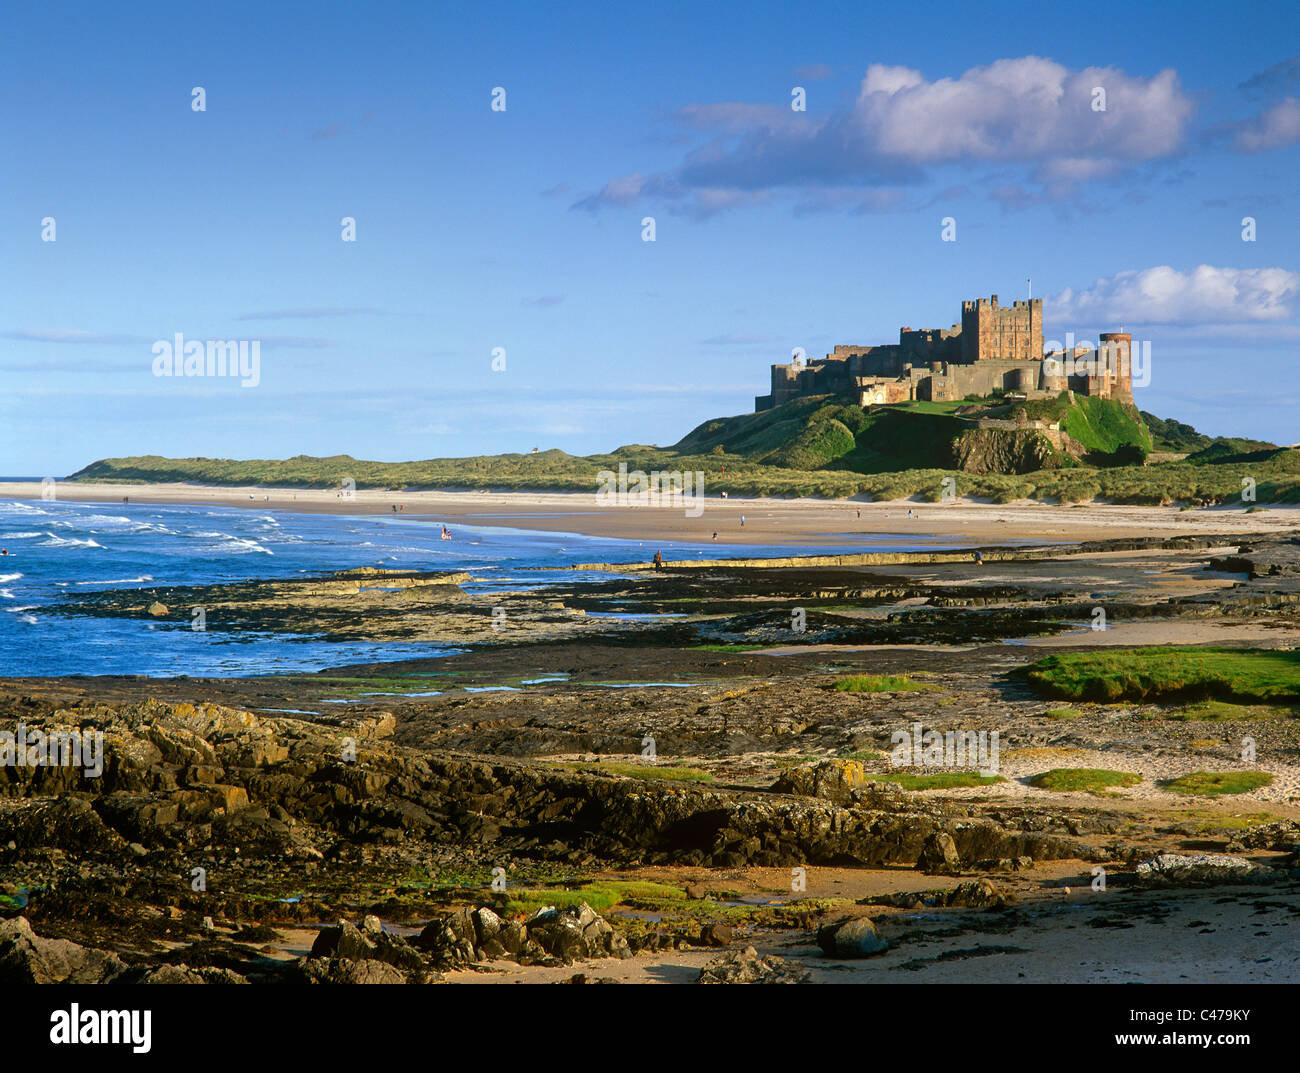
{"points": [[631, 799]]}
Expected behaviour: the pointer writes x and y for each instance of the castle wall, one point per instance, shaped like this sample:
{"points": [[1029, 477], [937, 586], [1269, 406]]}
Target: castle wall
{"points": [[994, 348]]}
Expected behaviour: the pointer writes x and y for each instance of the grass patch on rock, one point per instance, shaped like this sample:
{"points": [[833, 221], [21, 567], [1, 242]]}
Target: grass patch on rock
{"points": [[881, 683], [601, 895], [1222, 711], [671, 772], [941, 780], [1233, 675], [1087, 779], [1217, 783]]}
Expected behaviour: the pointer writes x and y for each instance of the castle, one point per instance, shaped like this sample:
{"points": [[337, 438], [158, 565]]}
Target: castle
{"points": [[994, 349]]}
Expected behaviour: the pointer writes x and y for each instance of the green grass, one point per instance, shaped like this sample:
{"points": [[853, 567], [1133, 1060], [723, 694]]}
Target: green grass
{"points": [[881, 683], [1217, 783], [670, 772], [1235, 675], [1220, 711], [1063, 713], [863, 756], [867, 472], [822, 446], [943, 780], [601, 895], [1210, 821], [1093, 780]]}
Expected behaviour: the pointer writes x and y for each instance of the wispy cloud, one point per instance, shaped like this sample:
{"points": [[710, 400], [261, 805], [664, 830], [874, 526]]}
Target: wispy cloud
{"points": [[1279, 78], [311, 313], [1274, 127], [72, 335], [295, 342], [814, 72], [738, 339]]}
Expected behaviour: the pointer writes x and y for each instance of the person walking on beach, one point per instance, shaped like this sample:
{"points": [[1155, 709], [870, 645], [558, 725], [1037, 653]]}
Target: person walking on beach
{"points": [[658, 561], [742, 521], [715, 534], [446, 533]]}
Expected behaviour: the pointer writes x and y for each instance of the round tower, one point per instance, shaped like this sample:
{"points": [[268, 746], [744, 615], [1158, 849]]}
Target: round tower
{"points": [[1115, 354]]}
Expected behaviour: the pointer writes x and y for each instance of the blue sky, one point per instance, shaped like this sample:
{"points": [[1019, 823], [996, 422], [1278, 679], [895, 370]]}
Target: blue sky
{"points": [[521, 229]]}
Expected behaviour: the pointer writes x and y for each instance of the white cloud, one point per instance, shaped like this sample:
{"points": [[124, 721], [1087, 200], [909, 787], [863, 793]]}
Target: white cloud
{"points": [[1274, 127], [1022, 109], [1027, 111], [1163, 295]]}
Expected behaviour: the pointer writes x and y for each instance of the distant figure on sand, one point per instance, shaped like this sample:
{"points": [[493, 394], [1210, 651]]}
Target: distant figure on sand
{"points": [[659, 561], [742, 521], [859, 512], [979, 558], [715, 534]]}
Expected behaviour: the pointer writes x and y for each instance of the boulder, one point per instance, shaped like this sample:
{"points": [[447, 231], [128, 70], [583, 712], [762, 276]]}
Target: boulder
{"points": [[977, 894], [831, 780], [939, 855], [1279, 835], [1201, 869], [575, 932], [715, 934], [853, 938], [347, 971], [749, 967], [26, 958], [346, 940]]}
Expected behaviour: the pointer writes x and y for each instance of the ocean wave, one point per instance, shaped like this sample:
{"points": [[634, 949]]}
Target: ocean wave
{"points": [[22, 536], [9, 577], [18, 610], [69, 542], [234, 545], [102, 519], [114, 580]]}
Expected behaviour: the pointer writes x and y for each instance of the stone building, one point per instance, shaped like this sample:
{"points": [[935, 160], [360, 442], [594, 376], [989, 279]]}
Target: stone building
{"points": [[994, 349]]}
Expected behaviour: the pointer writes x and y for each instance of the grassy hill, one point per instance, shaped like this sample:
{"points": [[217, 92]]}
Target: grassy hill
{"points": [[818, 447], [1176, 437]]}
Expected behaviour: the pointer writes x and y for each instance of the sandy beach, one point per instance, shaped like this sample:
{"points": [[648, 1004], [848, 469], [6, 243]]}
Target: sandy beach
{"points": [[811, 522]]}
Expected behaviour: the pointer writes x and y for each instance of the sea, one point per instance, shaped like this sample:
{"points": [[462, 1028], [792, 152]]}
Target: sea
{"points": [[58, 549]]}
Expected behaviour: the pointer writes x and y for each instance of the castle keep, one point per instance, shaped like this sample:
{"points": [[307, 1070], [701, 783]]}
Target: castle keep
{"points": [[994, 349]]}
